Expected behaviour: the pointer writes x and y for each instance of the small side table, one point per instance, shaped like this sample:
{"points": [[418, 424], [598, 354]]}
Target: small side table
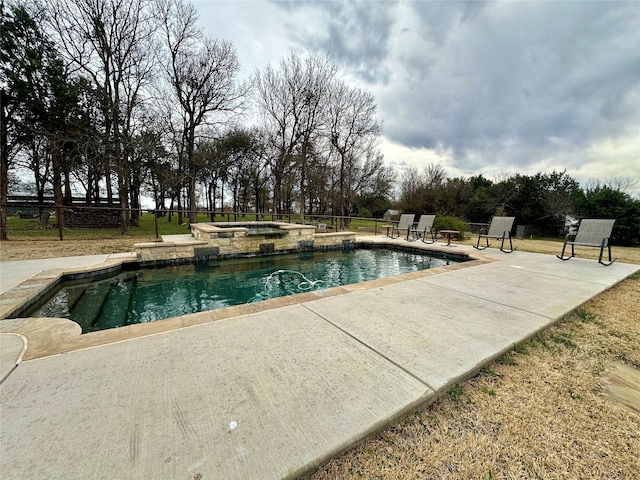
{"points": [[449, 233], [388, 227]]}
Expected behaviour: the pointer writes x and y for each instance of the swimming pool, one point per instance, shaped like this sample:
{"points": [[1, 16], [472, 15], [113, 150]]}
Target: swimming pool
{"points": [[150, 294]]}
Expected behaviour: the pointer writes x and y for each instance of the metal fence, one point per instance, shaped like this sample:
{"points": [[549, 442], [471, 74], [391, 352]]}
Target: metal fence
{"points": [[28, 219]]}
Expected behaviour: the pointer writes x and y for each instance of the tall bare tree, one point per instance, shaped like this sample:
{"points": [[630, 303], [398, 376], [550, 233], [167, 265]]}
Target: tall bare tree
{"points": [[110, 42], [352, 129], [201, 73], [291, 100]]}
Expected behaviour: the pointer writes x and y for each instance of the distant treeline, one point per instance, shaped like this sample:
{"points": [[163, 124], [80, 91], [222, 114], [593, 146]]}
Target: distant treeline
{"points": [[544, 199]]}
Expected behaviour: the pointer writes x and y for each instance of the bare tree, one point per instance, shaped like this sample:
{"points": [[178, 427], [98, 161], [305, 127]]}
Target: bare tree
{"points": [[201, 73], [435, 175], [352, 130], [504, 193], [318, 78], [291, 101], [277, 103], [258, 171], [619, 184], [320, 179], [110, 41], [411, 188]]}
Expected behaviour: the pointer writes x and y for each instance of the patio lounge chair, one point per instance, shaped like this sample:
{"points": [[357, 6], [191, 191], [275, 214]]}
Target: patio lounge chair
{"points": [[500, 229], [424, 229], [591, 233], [405, 223]]}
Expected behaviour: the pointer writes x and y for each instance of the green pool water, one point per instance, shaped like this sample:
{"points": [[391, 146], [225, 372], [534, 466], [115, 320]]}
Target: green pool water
{"points": [[147, 295]]}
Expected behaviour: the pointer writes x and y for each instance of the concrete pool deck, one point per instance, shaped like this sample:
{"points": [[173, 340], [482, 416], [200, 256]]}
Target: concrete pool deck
{"points": [[272, 393]]}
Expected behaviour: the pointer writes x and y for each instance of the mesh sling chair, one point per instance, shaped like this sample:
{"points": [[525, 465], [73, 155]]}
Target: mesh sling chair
{"points": [[500, 229], [424, 230], [591, 233], [405, 223]]}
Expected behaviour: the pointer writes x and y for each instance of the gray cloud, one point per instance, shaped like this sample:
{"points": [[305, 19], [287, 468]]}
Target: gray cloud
{"points": [[355, 35], [514, 85], [510, 78]]}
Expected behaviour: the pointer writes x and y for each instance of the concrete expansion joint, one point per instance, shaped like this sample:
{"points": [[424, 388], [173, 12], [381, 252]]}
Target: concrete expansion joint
{"points": [[502, 304], [8, 365], [6, 375], [369, 347]]}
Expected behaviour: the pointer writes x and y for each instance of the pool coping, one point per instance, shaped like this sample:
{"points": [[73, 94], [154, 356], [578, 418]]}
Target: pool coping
{"points": [[52, 336]]}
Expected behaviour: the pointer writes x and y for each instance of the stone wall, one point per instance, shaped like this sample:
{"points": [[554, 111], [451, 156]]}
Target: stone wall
{"points": [[244, 237], [332, 240], [235, 242], [161, 252], [78, 217]]}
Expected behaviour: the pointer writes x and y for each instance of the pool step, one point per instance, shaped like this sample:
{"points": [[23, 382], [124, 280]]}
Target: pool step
{"points": [[88, 307], [116, 305], [62, 303], [75, 294]]}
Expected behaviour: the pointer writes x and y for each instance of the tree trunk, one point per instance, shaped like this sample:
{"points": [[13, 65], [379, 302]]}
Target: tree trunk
{"points": [[222, 198], [68, 197], [96, 190], [88, 194], [123, 196], [135, 204], [109, 185], [134, 196], [192, 195], [212, 201], [4, 168], [57, 185], [277, 195], [256, 193], [179, 207], [302, 195], [341, 192], [124, 214]]}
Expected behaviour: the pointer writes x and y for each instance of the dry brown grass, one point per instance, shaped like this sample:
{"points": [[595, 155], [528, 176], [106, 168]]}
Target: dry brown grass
{"points": [[539, 412], [30, 249], [623, 254], [542, 411]]}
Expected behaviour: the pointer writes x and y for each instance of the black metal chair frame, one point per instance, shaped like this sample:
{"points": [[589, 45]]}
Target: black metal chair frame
{"points": [[500, 229], [422, 235], [405, 223], [592, 230], [421, 232]]}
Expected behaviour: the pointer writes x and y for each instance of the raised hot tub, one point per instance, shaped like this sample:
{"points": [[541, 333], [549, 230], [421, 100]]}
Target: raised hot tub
{"points": [[235, 239]]}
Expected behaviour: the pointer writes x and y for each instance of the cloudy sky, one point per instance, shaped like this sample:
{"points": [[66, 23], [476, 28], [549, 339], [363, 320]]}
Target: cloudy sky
{"points": [[480, 87]]}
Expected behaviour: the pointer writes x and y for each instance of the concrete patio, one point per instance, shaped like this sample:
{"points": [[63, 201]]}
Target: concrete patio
{"points": [[271, 393]]}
